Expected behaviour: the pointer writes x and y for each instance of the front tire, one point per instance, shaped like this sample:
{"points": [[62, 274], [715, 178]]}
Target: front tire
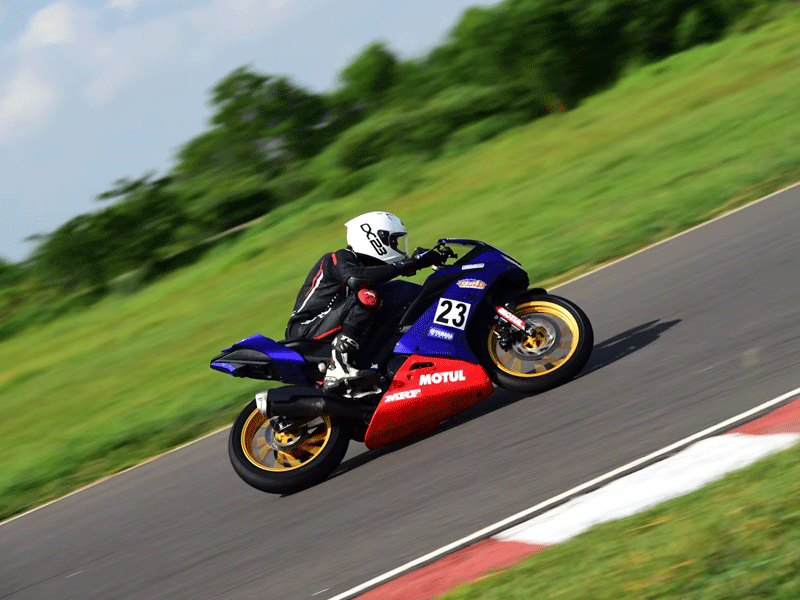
{"points": [[288, 461], [554, 355]]}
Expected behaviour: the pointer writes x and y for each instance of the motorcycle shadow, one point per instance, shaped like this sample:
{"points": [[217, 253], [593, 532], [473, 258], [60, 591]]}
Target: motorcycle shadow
{"points": [[604, 354], [624, 344]]}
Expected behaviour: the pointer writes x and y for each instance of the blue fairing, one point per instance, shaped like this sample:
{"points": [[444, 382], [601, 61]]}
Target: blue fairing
{"points": [[287, 362], [447, 335], [450, 299], [398, 292]]}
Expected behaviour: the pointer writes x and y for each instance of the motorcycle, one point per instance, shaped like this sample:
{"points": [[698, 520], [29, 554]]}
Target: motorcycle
{"points": [[439, 348]]}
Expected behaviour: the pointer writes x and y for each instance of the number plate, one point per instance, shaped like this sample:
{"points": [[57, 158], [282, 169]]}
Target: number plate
{"points": [[451, 313]]}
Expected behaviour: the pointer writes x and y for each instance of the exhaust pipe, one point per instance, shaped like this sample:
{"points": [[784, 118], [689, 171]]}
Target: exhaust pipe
{"points": [[299, 401]]}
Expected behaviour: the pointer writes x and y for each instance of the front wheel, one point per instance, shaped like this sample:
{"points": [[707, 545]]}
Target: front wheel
{"points": [[558, 350], [279, 459]]}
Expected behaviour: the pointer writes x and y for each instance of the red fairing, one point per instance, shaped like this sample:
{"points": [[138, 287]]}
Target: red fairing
{"points": [[426, 391]]}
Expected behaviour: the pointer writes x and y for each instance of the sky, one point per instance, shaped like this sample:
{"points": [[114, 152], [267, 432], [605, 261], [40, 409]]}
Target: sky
{"points": [[95, 90]]}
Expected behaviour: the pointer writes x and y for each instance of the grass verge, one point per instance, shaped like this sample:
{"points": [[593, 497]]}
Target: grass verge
{"points": [[670, 146], [736, 538]]}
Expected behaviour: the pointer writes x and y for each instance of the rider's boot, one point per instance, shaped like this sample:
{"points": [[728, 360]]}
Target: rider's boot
{"points": [[341, 375]]}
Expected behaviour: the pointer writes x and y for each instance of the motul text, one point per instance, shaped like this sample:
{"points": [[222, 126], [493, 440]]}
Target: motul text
{"points": [[445, 377]]}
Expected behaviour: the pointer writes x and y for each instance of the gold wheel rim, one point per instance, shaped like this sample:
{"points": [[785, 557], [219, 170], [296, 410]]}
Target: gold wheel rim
{"points": [[529, 355], [263, 456]]}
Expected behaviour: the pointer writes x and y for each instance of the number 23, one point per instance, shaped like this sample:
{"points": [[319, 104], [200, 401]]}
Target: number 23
{"points": [[452, 313]]}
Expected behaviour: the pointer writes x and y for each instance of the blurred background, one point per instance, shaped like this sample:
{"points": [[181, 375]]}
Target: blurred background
{"points": [[172, 170]]}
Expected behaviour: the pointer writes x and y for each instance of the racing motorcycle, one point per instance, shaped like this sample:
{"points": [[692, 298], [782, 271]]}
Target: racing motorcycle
{"points": [[439, 348]]}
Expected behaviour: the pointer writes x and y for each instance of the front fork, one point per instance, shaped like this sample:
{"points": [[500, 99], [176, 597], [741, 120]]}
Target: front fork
{"points": [[509, 323]]}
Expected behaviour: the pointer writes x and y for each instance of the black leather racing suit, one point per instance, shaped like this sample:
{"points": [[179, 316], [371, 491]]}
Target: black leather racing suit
{"points": [[337, 296]]}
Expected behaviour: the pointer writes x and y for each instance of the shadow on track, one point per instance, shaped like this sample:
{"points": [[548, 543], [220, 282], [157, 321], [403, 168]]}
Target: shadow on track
{"points": [[624, 344], [603, 354]]}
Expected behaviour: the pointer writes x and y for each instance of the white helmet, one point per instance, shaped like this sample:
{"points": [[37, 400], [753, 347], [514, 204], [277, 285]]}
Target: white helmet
{"points": [[378, 234]]}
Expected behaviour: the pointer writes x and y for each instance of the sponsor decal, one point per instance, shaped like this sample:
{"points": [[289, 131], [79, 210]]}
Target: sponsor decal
{"points": [[451, 313], [440, 334], [404, 395], [511, 318], [373, 239], [473, 266], [472, 284], [444, 377]]}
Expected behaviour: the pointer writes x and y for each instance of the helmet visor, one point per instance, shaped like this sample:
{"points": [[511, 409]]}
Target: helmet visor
{"points": [[396, 241], [399, 243]]}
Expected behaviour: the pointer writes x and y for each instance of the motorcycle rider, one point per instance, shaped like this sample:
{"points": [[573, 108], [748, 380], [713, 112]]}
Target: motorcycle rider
{"points": [[339, 295]]}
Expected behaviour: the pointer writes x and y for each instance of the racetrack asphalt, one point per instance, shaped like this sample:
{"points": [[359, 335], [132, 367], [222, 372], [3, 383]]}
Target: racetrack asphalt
{"points": [[687, 333]]}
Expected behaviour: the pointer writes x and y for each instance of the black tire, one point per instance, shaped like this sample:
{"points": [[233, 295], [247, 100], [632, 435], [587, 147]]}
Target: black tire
{"points": [[554, 356], [317, 450]]}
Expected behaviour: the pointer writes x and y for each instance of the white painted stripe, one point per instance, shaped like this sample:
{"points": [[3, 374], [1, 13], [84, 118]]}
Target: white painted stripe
{"points": [[560, 498], [687, 471], [595, 270]]}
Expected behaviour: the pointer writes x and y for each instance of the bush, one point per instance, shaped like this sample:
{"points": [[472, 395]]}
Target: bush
{"points": [[762, 13], [692, 29], [224, 201], [371, 141], [487, 128], [292, 185], [426, 129]]}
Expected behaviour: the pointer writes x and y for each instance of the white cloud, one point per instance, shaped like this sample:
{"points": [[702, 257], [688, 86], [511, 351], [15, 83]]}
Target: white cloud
{"points": [[187, 39], [127, 6], [69, 52], [230, 19], [26, 104], [131, 54], [54, 25]]}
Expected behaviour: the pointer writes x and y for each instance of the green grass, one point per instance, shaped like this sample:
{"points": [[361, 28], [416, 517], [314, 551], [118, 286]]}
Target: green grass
{"points": [[734, 539], [668, 147]]}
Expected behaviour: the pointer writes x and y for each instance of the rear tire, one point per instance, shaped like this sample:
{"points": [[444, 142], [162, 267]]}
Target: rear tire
{"points": [[533, 364], [282, 463]]}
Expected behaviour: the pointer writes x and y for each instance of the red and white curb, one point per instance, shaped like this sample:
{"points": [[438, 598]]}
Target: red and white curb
{"points": [[702, 462]]}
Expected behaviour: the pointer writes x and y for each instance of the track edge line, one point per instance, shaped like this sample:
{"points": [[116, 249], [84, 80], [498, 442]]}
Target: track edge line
{"points": [[574, 492]]}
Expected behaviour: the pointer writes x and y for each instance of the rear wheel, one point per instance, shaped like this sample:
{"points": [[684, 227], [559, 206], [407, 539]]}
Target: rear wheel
{"points": [[554, 354], [278, 459]]}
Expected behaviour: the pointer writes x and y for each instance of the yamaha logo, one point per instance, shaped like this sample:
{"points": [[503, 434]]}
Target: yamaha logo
{"points": [[445, 377], [440, 334]]}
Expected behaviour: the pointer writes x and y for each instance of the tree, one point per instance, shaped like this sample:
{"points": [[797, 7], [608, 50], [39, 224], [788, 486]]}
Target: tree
{"points": [[93, 248], [262, 123], [153, 211], [10, 273], [366, 81], [73, 255], [530, 41]]}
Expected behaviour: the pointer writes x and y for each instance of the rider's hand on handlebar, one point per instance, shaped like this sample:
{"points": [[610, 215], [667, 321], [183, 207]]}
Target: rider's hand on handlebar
{"points": [[421, 258], [407, 266], [428, 258]]}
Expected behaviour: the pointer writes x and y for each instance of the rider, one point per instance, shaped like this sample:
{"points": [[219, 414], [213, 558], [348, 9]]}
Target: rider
{"points": [[339, 295]]}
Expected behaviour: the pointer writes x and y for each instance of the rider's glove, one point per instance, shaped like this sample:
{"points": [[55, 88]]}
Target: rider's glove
{"points": [[420, 259], [428, 258], [407, 266]]}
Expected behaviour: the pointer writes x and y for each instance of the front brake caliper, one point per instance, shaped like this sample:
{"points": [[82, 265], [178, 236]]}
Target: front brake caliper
{"points": [[503, 334]]}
